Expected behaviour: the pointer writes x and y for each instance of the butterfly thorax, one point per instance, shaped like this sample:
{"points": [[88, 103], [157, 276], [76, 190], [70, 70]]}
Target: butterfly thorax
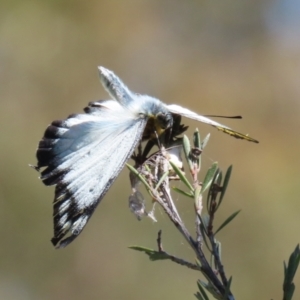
{"points": [[159, 117]]}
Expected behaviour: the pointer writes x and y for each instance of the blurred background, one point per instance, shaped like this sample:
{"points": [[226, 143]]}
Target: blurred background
{"points": [[215, 57]]}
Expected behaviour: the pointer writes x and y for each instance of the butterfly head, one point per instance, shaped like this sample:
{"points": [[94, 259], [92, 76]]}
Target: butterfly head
{"points": [[163, 121]]}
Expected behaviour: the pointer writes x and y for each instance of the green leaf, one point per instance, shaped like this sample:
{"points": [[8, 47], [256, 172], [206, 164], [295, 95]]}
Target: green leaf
{"points": [[197, 144], [205, 221], [139, 176], [218, 178], [198, 296], [289, 274], [147, 167], [211, 289], [214, 189], [289, 292], [198, 263], [203, 228], [182, 177], [203, 295], [293, 264], [218, 249], [227, 221], [190, 195], [187, 150], [161, 180], [227, 289], [196, 138], [209, 177], [205, 141], [225, 184], [153, 254]]}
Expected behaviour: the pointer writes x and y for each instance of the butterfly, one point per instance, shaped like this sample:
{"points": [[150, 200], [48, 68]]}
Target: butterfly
{"points": [[83, 154]]}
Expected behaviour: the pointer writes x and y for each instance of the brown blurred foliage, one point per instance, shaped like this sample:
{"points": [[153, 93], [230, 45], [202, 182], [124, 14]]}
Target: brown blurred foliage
{"points": [[215, 57]]}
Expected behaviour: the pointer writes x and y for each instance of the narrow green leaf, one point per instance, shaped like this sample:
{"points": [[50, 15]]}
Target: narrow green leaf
{"points": [[202, 283], [198, 263], [289, 274], [204, 219], [182, 177], [227, 221], [210, 288], [153, 254], [198, 296], [219, 178], [211, 195], [205, 141], [202, 292], [196, 138], [217, 246], [285, 269], [289, 292], [187, 150], [227, 289], [204, 236], [225, 184], [209, 177], [161, 180], [197, 144], [190, 195], [139, 176], [142, 249], [293, 263]]}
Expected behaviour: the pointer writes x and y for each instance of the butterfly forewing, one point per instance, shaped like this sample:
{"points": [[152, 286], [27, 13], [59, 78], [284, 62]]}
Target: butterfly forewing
{"points": [[115, 87], [84, 154], [178, 110]]}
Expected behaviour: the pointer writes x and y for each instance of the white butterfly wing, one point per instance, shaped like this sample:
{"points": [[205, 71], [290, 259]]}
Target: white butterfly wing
{"points": [[178, 110], [83, 155], [115, 87]]}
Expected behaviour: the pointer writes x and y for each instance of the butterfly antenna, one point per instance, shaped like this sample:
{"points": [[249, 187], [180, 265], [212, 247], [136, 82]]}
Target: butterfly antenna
{"points": [[225, 117]]}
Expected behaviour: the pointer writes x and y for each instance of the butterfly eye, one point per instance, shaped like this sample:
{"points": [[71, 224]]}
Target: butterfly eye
{"points": [[164, 120]]}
